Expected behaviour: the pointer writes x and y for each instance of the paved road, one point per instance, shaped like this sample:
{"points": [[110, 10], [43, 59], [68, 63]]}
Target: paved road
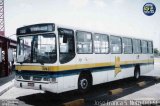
{"points": [[29, 97]]}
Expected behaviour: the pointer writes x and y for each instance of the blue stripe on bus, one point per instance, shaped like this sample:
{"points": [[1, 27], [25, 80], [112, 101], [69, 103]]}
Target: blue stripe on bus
{"points": [[74, 72]]}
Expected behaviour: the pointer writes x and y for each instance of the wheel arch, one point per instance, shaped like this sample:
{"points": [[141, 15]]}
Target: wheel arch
{"points": [[137, 66], [86, 73], [137, 71]]}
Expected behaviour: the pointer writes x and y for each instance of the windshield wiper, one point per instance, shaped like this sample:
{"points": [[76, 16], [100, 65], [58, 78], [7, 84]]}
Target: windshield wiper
{"points": [[21, 63], [41, 62]]}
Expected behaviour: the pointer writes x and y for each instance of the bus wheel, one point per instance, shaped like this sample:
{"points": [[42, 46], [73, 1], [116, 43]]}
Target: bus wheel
{"points": [[84, 83], [137, 73]]}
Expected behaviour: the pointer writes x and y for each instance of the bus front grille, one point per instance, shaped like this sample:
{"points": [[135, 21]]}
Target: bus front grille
{"points": [[26, 77], [36, 78]]}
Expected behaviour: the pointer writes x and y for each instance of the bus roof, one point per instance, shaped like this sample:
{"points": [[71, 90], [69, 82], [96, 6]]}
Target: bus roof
{"points": [[81, 29], [99, 32]]}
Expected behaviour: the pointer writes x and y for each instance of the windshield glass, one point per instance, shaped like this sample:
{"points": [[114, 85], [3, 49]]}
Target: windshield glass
{"points": [[37, 49]]}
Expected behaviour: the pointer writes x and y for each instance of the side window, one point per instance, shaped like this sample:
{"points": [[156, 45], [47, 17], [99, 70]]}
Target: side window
{"points": [[66, 45], [127, 45], [150, 47], [84, 42], [100, 43], [136, 46], [115, 45], [144, 47]]}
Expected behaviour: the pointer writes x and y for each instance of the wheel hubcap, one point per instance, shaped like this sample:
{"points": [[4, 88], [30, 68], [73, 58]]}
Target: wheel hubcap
{"points": [[84, 83], [137, 75]]}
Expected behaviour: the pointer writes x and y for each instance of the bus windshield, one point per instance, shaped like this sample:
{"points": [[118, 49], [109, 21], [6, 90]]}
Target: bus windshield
{"points": [[37, 49]]}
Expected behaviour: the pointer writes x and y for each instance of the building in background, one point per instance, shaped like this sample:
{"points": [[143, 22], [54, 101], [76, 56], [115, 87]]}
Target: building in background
{"points": [[7, 47]]}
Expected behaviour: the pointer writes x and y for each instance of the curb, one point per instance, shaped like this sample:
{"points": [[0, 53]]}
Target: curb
{"points": [[141, 84], [115, 91], [4, 88], [79, 102]]}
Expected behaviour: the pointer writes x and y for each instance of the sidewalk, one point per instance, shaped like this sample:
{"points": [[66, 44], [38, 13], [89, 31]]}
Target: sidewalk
{"points": [[6, 83], [4, 80]]}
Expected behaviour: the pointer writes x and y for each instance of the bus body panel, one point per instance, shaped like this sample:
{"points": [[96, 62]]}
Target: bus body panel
{"points": [[127, 65], [103, 68]]}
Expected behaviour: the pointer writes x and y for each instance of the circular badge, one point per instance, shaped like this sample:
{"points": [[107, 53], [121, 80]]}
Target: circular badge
{"points": [[149, 9]]}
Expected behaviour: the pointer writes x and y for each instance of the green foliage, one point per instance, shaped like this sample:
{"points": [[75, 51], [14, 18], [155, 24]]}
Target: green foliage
{"points": [[156, 52]]}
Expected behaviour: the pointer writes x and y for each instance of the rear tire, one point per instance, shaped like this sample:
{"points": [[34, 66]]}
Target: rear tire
{"points": [[137, 73], [84, 83]]}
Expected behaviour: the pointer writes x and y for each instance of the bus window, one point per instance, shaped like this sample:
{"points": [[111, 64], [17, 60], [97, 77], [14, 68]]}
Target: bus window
{"points": [[66, 45], [127, 45], [84, 42], [115, 45], [136, 46], [100, 43], [144, 46], [150, 47]]}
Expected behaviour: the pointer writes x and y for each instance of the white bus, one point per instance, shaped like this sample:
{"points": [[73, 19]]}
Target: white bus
{"points": [[57, 59]]}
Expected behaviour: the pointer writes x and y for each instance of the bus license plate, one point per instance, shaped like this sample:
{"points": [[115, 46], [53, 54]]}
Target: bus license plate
{"points": [[31, 84]]}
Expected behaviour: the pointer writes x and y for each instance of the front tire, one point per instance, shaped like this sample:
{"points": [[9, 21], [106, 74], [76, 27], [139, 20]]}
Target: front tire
{"points": [[84, 83]]}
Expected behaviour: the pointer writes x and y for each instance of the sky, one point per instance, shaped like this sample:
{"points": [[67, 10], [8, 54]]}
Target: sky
{"points": [[120, 17]]}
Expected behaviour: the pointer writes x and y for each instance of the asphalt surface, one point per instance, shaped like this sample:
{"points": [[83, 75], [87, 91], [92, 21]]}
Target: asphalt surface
{"points": [[29, 97]]}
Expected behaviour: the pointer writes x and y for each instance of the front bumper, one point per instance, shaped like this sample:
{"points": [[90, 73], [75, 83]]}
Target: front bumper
{"points": [[52, 87]]}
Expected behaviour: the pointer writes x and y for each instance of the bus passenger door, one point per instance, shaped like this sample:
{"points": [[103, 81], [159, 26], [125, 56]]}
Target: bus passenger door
{"points": [[67, 58]]}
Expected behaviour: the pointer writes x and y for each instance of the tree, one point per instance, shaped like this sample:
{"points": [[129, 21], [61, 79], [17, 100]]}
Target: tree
{"points": [[156, 52]]}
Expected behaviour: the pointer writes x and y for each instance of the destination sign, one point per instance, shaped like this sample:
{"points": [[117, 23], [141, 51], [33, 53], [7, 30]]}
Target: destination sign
{"points": [[37, 28]]}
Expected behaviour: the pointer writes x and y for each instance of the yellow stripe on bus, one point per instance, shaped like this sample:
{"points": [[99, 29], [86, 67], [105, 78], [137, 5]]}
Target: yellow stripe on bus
{"points": [[78, 66]]}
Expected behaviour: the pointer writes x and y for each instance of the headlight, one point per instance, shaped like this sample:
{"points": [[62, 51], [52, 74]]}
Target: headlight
{"points": [[46, 79], [52, 79]]}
